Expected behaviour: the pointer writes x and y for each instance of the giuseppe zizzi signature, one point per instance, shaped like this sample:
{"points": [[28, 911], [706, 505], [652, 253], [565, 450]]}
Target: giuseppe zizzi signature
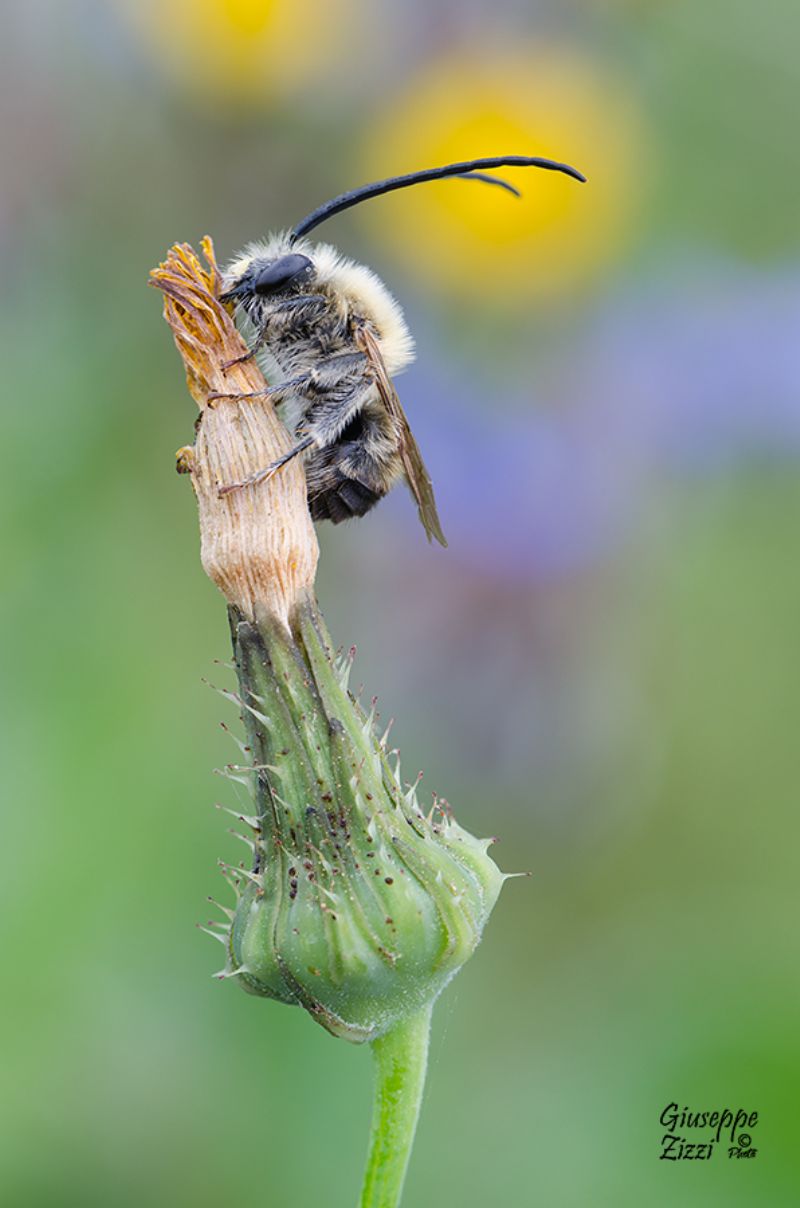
{"points": [[695, 1135]]}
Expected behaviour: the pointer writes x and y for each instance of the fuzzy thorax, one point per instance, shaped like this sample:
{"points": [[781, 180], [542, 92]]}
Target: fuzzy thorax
{"points": [[257, 544], [357, 906], [352, 288]]}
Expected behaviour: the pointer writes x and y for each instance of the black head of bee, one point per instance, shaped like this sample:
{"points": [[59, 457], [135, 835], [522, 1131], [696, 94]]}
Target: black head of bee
{"points": [[281, 274], [274, 277]]}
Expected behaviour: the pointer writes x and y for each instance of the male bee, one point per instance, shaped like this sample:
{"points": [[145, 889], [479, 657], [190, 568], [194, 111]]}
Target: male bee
{"points": [[330, 336]]}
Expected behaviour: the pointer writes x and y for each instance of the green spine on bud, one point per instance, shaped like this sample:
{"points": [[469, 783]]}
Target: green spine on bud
{"points": [[358, 907]]}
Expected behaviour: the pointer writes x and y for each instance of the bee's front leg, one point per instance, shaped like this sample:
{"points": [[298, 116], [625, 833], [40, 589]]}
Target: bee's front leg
{"points": [[261, 340]]}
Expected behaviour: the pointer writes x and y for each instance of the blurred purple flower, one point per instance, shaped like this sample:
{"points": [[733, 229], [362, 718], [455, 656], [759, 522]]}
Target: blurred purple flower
{"points": [[697, 376]]}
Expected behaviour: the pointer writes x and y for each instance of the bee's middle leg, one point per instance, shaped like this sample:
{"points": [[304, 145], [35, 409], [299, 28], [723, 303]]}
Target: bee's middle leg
{"points": [[295, 383], [336, 391]]}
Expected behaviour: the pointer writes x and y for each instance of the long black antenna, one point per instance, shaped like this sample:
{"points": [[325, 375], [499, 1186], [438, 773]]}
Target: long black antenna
{"points": [[490, 180], [467, 169]]}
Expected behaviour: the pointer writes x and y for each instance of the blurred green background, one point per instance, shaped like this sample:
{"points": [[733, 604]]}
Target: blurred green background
{"points": [[601, 669]]}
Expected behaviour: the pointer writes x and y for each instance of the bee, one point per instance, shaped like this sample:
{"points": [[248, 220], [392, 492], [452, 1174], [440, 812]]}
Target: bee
{"points": [[331, 338]]}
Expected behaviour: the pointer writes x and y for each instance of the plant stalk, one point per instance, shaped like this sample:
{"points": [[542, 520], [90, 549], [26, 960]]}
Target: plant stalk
{"points": [[401, 1061]]}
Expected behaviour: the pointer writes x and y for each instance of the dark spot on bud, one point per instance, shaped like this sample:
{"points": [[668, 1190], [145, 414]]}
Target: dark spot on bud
{"points": [[390, 920], [292, 872], [389, 880]]}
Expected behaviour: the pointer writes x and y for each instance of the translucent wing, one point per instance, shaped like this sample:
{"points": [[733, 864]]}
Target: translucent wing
{"points": [[416, 474]]}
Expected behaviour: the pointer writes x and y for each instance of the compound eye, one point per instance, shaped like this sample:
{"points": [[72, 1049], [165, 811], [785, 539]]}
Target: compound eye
{"points": [[280, 273]]}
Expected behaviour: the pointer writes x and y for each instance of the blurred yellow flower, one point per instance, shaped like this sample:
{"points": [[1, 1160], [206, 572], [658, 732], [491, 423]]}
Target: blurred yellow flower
{"points": [[463, 237], [240, 50]]}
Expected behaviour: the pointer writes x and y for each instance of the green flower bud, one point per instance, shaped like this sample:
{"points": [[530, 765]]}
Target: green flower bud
{"points": [[358, 907]]}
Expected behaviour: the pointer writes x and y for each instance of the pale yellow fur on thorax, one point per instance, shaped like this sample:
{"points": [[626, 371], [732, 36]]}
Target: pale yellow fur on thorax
{"points": [[354, 287]]}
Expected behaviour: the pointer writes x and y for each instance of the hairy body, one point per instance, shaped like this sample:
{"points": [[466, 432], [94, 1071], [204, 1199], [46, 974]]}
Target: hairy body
{"points": [[306, 312]]}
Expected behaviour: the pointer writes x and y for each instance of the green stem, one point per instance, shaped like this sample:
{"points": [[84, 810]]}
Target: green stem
{"points": [[401, 1059]]}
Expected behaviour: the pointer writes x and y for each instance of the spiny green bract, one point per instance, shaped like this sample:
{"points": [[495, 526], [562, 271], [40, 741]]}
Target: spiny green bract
{"points": [[357, 906]]}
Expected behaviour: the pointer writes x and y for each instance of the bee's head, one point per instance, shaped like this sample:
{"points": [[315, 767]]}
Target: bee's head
{"points": [[268, 277]]}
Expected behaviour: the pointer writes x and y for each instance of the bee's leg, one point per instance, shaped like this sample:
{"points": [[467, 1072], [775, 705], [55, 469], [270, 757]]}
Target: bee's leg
{"points": [[331, 378], [338, 388], [263, 475], [246, 356], [268, 392]]}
